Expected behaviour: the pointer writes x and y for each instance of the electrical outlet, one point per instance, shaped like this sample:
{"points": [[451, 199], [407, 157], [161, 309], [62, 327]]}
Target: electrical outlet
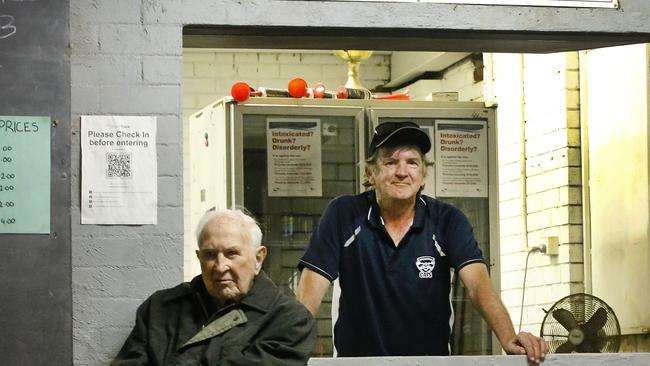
{"points": [[552, 245]]}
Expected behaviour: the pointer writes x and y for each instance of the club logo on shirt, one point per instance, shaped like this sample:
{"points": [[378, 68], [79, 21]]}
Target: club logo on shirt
{"points": [[425, 265]]}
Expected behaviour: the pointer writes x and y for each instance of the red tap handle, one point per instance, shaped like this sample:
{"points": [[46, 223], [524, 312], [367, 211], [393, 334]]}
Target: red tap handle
{"points": [[321, 92]]}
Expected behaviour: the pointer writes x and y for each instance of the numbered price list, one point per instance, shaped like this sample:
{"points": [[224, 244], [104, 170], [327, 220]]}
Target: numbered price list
{"points": [[7, 181], [24, 175]]}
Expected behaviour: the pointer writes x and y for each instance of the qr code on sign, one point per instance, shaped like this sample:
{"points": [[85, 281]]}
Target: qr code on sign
{"points": [[119, 165]]}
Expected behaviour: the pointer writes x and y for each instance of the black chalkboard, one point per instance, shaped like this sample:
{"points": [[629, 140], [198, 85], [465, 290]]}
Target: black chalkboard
{"points": [[35, 270]]}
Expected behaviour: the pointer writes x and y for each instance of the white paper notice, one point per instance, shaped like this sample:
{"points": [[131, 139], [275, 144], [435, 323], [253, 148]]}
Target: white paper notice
{"points": [[294, 157], [461, 158], [119, 170]]}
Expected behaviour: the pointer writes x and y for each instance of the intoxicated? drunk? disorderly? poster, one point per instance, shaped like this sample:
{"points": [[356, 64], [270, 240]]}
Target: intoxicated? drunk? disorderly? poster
{"points": [[118, 170], [461, 158], [294, 157]]}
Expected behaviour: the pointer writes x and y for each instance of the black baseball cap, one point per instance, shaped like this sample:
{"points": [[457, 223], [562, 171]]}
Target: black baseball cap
{"points": [[399, 133]]}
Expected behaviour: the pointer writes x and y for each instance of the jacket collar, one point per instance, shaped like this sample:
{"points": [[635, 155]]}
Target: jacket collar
{"points": [[263, 293], [261, 296], [375, 220]]}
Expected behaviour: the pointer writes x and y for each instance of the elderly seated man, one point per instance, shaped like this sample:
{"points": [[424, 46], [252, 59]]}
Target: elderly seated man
{"points": [[232, 314]]}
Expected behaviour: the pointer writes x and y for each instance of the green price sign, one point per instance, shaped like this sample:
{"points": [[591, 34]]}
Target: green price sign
{"points": [[24, 175]]}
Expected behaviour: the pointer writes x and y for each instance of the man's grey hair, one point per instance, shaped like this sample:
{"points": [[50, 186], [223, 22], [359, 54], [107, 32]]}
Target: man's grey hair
{"points": [[248, 225], [371, 163]]}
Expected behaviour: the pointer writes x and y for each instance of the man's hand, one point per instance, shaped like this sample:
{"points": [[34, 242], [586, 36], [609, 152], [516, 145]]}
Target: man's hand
{"points": [[525, 343], [476, 279]]}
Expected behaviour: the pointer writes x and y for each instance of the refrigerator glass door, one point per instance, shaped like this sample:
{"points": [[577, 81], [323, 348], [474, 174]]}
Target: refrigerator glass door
{"points": [[470, 333], [289, 162]]}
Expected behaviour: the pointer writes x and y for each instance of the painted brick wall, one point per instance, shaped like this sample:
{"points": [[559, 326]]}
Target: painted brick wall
{"points": [[124, 63], [459, 78], [545, 93], [208, 74]]}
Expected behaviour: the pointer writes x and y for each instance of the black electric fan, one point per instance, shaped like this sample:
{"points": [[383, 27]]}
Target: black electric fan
{"points": [[581, 323]]}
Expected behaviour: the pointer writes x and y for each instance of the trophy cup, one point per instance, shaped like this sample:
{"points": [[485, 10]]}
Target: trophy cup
{"points": [[354, 59]]}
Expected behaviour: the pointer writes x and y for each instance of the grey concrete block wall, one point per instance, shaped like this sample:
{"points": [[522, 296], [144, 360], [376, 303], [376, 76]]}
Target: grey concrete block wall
{"points": [[123, 55], [124, 66]]}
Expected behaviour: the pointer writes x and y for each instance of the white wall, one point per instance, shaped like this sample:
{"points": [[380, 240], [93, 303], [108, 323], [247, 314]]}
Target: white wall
{"points": [[208, 74], [458, 83], [617, 120], [460, 78], [538, 92]]}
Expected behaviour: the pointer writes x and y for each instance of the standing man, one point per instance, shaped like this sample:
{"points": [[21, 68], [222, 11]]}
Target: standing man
{"points": [[395, 253], [232, 314]]}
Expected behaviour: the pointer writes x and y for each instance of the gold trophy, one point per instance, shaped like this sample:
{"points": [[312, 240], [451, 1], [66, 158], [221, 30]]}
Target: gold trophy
{"points": [[354, 58]]}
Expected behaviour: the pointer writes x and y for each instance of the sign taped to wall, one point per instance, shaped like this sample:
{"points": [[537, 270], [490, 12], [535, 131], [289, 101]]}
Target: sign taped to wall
{"points": [[119, 170], [461, 158], [548, 3], [294, 157]]}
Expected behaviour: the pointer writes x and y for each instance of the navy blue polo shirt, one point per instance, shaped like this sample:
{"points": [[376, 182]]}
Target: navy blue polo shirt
{"points": [[395, 300]]}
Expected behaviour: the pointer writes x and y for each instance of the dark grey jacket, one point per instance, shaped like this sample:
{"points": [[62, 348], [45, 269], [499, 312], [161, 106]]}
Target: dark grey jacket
{"points": [[173, 327]]}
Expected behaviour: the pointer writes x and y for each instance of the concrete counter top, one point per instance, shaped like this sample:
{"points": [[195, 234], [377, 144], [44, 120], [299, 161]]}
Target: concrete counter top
{"points": [[585, 359]]}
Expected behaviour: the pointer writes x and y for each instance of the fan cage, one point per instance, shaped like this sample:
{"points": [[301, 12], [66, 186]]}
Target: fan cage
{"points": [[582, 306]]}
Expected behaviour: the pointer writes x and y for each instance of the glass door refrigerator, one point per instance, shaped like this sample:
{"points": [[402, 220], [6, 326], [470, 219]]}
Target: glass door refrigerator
{"points": [[284, 159], [464, 174]]}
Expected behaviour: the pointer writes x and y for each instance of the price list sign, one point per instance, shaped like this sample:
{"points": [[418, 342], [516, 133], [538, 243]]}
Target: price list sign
{"points": [[24, 175]]}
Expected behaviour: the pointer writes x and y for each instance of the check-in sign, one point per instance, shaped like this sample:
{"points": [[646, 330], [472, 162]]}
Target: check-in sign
{"points": [[549, 3]]}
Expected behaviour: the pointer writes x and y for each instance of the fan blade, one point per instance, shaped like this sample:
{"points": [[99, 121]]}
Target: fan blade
{"points": [[596, 322], [566, 347], [565, 318]]}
